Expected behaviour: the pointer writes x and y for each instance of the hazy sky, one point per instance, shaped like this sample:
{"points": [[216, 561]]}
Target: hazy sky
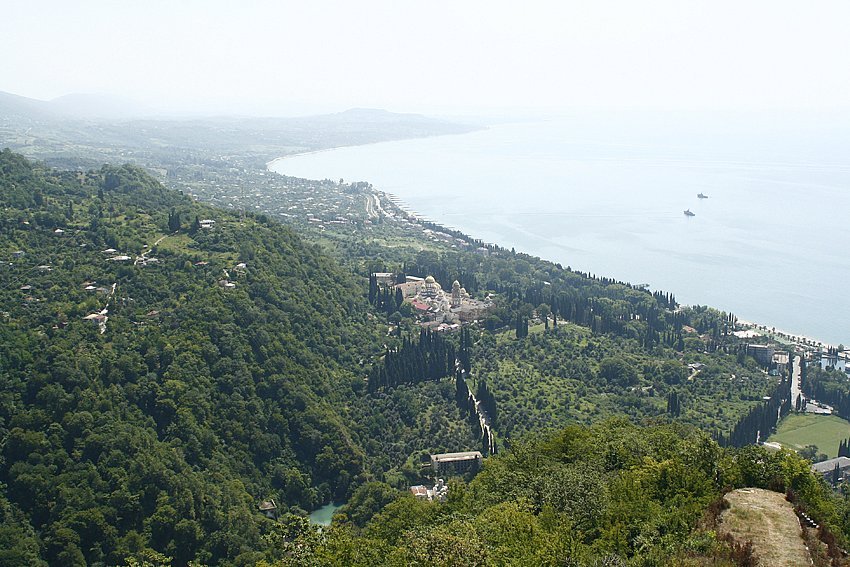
{"points": [[431, 55]]}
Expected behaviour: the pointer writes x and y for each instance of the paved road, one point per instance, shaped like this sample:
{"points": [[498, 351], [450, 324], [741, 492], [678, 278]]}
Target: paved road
{"points": [[795, 380]]}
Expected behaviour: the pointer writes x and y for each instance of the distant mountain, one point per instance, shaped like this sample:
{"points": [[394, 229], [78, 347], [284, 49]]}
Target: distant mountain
{"points": [[72, 106], [12, 105], [88, 105], [100, 129], [108, 107]]}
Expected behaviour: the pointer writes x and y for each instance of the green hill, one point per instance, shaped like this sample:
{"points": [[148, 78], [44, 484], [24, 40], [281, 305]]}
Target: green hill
{"points": [[161, 376], [159, 381], [610, 494]]}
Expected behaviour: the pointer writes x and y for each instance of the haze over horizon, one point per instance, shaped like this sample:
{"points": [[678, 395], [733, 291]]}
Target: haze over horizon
{"points": [[473, 57]]}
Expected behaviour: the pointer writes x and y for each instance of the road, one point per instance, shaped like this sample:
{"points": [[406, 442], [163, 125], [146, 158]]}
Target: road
{"points": [[812, 405], [795, 379]]}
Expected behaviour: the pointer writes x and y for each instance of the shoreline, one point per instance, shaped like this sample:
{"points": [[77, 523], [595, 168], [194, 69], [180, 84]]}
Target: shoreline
{"points": [[805, 341], [799, 340], [270, 163]]}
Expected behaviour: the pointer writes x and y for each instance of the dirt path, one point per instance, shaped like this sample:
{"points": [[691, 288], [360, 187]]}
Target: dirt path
{"points": [[768, 520]]}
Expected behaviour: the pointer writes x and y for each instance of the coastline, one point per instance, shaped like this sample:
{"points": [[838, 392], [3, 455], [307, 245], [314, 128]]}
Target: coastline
{"points": [[270, 163], [798, 339], [805, 342]]}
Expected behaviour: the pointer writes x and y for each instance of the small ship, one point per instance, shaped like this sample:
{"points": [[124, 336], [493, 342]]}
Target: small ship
{"points": [[688, 213], [702, 195]]}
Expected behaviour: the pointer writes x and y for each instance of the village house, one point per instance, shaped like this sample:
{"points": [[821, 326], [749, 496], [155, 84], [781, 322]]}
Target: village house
{"points": [[452, 464], [269, 509]]}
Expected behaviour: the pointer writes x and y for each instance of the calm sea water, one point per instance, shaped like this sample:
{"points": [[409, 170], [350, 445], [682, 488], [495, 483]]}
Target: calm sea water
{"points": [[770, 243]]}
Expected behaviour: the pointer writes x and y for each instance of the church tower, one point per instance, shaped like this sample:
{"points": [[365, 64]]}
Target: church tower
{"points": [[456, 294]]}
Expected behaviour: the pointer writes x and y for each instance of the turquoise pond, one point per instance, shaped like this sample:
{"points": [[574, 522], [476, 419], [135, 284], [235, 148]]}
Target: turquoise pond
{"points": [[322, 516]]}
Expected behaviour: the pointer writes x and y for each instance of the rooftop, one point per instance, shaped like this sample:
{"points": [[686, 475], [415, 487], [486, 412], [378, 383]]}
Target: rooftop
{"points": [[829, 465], [465, 456]]}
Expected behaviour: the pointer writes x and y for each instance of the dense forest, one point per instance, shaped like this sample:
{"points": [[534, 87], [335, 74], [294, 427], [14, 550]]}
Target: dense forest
{"points": [[161, 375], [610, 494], [160, 379]]}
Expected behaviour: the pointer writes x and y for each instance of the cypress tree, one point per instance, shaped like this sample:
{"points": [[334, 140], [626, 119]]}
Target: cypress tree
{"points": [[173, 221], [674, 407], [373, 288]]}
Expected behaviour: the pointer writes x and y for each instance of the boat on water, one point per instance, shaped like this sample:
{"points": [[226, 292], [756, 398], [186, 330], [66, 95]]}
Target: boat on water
{"points": [[702, 195], [688, 213]]}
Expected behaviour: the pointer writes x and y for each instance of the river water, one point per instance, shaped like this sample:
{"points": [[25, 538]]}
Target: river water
{"points": [[770, 243]]}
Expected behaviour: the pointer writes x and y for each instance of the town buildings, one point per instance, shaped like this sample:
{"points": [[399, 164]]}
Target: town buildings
{"points": [[437, 308], [762, 353], [452, 464], [439, 492]]}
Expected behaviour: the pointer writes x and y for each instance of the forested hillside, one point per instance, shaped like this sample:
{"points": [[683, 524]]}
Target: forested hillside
{"points": [[612, 494], [561, 346], [166, 366], [160, 379]]}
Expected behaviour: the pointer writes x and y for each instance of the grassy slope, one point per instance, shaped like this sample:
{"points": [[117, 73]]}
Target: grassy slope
{"points": [[825, 431], [768, 520]]}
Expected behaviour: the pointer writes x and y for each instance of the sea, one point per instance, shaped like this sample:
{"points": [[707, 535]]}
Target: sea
{"points": [[607, 194]]}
